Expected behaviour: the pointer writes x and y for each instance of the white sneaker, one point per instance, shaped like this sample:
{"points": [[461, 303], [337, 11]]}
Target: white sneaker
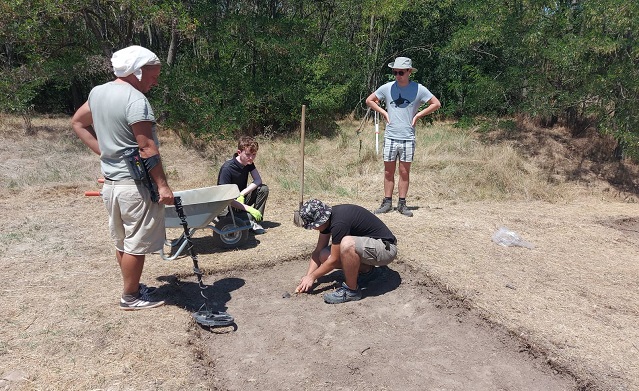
{"points": [[257, 229], [141, 302]]}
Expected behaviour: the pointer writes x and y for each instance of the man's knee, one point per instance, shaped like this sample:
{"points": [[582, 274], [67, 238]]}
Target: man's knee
{"points": [[347, 246]]}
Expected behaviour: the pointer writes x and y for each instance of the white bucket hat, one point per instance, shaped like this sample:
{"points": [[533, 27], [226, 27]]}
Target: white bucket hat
{"points": [[402, 63], [130, 60]]}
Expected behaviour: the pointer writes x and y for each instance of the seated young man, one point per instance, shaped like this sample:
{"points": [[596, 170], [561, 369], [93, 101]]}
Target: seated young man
{"points": [[236, 171]]}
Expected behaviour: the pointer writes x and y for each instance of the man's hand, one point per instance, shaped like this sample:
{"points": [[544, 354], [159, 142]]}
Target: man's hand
{"points": [[255, 213], [166, 195], [386, 117], [305, 284], [240, 199]]}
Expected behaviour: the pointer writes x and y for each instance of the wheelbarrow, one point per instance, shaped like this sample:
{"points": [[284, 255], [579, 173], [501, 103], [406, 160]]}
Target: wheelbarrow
{"points": [[204, 208]]}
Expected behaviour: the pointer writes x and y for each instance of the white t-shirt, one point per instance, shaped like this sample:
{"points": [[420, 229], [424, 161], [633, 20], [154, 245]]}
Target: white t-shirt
{"points": [[115, 107], [402, 103]]}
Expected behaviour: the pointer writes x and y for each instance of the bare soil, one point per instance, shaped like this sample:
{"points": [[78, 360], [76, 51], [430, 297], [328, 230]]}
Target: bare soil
{"points": [[454, 312]]}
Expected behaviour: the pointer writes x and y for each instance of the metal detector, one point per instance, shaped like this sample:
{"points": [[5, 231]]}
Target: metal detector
{"points": [[204, 315]]}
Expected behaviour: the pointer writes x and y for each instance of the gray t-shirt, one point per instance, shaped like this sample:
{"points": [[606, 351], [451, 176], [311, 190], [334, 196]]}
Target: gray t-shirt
{"points": [[115, 107], [402, 103]]}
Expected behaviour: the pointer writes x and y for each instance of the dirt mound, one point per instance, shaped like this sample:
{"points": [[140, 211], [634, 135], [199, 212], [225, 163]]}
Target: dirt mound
{"points": [[588, 158]]}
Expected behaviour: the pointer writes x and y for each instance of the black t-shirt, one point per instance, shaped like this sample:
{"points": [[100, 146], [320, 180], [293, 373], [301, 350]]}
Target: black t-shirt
{"points": [[232, 172], [353, 220]]}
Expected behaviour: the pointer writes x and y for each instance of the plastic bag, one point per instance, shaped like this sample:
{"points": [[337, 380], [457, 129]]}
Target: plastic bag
{"points": [[507, 238]]}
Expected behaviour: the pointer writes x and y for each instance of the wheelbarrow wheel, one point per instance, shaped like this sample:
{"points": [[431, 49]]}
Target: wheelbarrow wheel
{"points": [[231, 239]]}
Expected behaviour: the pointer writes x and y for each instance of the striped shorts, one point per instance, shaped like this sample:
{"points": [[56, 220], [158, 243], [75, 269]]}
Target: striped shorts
{"points": [[402, 149]]}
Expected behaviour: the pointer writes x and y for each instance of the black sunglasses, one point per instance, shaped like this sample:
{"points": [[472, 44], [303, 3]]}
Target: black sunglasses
{"points": [[400, 73]]}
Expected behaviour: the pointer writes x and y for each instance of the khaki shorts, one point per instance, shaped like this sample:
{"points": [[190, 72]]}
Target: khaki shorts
{"points": [[136, 224], [375, 252]]}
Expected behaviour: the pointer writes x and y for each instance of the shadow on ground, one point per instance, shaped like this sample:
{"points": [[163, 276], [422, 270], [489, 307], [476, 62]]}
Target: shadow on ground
{"points": [[387, 281], [191, 296]]}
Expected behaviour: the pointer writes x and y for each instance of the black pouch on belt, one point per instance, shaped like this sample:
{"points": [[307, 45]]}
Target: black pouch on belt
{"points": [[139, 171]]}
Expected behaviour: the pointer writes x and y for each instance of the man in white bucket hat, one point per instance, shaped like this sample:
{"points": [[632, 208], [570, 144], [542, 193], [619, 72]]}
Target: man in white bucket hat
{"points": [[115, 120], [403, 99]]}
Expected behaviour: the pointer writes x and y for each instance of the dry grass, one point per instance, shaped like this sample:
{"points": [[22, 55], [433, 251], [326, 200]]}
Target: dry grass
{"points": [[575, 296], [450, 164]]}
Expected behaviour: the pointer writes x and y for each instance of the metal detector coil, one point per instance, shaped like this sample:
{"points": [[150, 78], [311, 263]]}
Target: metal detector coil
{"points": [[213, 318], [203, 316]]}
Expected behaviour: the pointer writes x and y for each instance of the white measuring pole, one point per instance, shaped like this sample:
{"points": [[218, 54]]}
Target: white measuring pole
{"points": [[377, 132]]}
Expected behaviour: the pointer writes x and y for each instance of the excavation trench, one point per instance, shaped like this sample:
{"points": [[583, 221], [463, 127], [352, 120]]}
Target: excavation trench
{"points": [[405, 334]]}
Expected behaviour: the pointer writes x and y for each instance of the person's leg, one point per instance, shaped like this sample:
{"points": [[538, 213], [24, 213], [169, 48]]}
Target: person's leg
{"points": [[390, 158], [408, 149], [350, 261], [131, 267], [389, 178], [374, 255], [137, 226], [133, 297], [404, 178], [404, 174], [258, 197], [389, 184]]}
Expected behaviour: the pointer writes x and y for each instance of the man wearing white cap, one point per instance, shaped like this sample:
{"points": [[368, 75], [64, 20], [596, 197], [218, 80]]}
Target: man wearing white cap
{"points": [[117, 119], [403, 99]]}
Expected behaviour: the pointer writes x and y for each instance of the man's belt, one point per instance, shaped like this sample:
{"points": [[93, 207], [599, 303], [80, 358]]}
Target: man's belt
{"points": [[121, 182]]}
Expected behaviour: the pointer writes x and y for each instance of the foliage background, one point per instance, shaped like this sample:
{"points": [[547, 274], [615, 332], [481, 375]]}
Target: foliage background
{"points": [[248, 65]]}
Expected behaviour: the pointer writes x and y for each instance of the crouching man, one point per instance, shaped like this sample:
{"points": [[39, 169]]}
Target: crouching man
{"points": [[359, 243]]}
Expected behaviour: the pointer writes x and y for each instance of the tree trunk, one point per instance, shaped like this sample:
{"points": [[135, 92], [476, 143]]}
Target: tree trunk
{"points": [[170, 57]]}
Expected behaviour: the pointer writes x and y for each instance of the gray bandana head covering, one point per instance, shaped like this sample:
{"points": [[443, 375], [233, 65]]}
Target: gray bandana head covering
{"points": [[314, 213], [131, 60]]}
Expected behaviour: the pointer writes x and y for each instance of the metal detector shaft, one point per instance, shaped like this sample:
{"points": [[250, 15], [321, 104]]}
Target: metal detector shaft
{"points": [[203, 316], [187, 236]]}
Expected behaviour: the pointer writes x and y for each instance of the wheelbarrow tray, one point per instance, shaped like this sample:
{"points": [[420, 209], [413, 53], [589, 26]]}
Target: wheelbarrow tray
{"points": [[202, 206]]}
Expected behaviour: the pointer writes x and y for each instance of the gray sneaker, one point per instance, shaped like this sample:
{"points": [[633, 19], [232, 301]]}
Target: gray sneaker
{"points": [[403, 209], [143, 301], [342, 295], [387, 206]]}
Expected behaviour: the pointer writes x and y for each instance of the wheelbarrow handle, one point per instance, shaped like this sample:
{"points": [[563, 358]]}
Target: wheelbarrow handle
{"points": [[92, 194]]}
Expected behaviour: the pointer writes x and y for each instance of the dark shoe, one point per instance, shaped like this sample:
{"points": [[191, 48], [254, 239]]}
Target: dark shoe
{"points": [[342, 295], [143, 301], [387, 206], [403, 209], [365, 278]]}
